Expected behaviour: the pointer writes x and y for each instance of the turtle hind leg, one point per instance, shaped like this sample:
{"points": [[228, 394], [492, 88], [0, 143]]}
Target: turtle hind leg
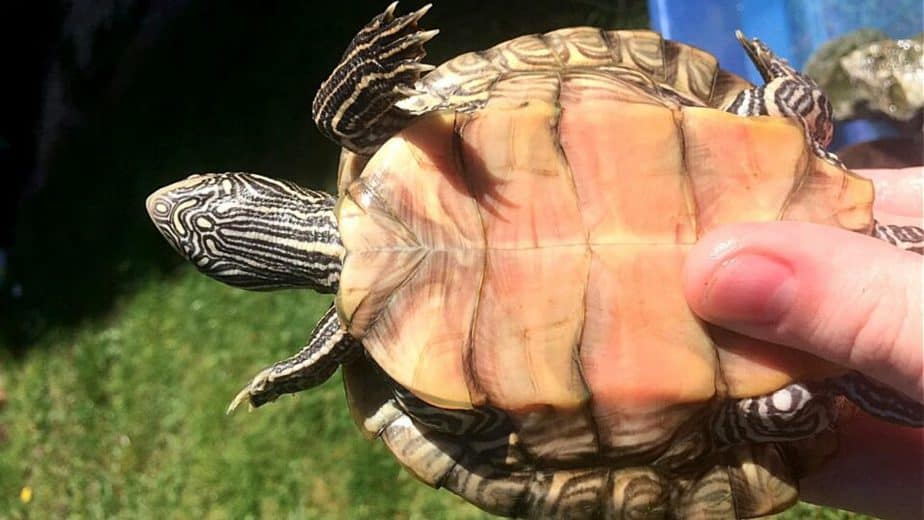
{"points": [[793, 412], [801, 410], [786, 93], [328, 347], [879, 400], [355, 106]]}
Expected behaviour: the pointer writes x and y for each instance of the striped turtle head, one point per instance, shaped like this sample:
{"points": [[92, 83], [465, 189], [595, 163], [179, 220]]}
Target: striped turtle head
{"points": [[250, 231]]}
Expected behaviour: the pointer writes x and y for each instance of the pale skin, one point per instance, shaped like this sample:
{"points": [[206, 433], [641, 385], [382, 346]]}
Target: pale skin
{"points": [[844, 297]]}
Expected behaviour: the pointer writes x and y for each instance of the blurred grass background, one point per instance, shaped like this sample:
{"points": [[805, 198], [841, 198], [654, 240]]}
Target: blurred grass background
{"points": [[118, 360]]}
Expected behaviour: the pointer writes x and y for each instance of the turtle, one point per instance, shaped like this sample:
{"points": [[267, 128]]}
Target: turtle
{"points": [[504, 249]]}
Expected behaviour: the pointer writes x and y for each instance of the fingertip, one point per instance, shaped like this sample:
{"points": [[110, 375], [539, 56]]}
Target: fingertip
{"points": [[739, 282], [702, 260], [842, 296]]}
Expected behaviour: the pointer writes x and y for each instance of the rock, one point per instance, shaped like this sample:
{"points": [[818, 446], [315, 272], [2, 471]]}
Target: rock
{"points": [[889, 74], [866, 74]]}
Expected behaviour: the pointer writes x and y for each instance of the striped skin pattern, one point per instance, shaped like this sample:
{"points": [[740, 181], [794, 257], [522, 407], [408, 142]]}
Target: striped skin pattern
{"points": [[909, 238], [786, 93], [485, 422], [355, 105], [328, 348], [880, 401], [252, 232], [773, 418]]}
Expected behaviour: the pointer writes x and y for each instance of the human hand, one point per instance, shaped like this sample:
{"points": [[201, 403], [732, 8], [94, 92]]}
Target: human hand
{"points": [[852, 299]]}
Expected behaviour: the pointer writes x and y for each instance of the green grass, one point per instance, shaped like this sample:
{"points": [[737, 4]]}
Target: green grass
{"points": [[125, 417], [118, 364]]}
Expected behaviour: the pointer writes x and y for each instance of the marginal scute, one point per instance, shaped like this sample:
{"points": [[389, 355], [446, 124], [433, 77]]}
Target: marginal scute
{"points": [[528, 52], [761, 480], [419, 450], [690, 70], [466, 82], [833, 196], [637, 493], [641, 50], [567, 493], [580, 47], [710, 496]]}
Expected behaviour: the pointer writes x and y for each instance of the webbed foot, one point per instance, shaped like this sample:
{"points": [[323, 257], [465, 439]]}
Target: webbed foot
{"points": [[355, 106]]}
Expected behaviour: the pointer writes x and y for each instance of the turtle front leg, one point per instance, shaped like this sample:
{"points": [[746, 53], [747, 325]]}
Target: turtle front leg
{"points": [[329, 346], [355, 106], [786, 93]]}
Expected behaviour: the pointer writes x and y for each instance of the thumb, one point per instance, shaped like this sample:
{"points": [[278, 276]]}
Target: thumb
{"points": [[849, 298]]}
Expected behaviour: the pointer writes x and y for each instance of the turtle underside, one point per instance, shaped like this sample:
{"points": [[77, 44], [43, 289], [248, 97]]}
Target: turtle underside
{"points": [[525, 256]]}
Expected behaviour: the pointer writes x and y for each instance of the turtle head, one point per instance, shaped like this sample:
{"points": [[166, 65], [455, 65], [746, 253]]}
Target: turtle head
{"points": [[251, 231]]}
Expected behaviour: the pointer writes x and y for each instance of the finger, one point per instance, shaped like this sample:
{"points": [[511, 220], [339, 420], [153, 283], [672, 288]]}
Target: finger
{"points": [[898, 191], [842, 296]]}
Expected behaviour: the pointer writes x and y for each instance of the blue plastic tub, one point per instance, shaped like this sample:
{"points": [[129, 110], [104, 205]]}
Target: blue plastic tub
{"points": [[792, 28]]}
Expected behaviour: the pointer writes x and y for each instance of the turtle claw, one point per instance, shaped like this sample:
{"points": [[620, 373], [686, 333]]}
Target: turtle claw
{"points": [[389, 13], [238, 399], [254, 393], [399, 23], [425, 36], [418, 14]]}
